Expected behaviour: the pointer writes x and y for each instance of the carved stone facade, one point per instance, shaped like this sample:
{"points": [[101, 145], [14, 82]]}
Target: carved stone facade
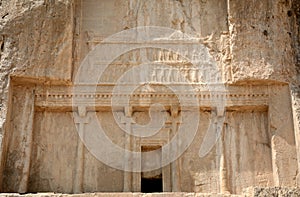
{"points": [[229, 66]]}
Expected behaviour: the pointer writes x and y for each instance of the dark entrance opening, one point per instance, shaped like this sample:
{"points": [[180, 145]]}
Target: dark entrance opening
{"points": [[151, 181], [151, 185]]}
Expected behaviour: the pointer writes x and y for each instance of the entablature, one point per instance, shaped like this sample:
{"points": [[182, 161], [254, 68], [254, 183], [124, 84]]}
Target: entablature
{"points": [[104, 96]]}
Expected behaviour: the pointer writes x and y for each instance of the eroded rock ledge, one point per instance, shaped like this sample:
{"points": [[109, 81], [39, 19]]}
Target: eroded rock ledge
{"points": [[248, 192]]}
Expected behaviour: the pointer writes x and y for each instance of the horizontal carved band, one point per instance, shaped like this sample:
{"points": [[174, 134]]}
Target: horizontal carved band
{"points": [[103, 96]]}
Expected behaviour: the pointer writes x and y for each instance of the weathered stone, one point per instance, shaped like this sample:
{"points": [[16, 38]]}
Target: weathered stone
{"points": [[225, 73]]}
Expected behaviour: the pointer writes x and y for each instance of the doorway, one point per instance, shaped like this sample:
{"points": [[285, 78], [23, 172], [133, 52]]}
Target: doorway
{"points": [[151, 185], [151, 181]]}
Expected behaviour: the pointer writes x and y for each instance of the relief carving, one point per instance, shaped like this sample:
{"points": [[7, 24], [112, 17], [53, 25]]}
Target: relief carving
{"points": [[185, 74]]}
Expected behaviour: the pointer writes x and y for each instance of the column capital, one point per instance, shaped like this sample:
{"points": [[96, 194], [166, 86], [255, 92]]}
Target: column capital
{"points": [[174, 111], [82, 111], [128, 111]]}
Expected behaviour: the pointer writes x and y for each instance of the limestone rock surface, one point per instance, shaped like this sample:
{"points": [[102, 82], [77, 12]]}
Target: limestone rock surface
{"points": [[255, 46]]}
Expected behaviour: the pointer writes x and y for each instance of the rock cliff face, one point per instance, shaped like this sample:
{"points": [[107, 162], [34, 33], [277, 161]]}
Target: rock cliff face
{"points": [[256, 48], [36, 39]]}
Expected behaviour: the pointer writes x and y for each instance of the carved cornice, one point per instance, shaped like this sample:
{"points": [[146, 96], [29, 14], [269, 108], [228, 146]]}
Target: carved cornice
{"points": [[62, 97]]}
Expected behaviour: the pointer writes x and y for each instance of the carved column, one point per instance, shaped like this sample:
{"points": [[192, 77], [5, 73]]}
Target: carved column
{"points": [[27, 131], [284, 155], [166, 170], [175, 171], [224, 187], [127, 156], [136, 176], [81, 119], [295, 93], [220, 130]]}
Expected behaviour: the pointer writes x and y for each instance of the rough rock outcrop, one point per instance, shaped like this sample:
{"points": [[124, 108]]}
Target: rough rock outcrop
{"points": [[256, 47]]}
